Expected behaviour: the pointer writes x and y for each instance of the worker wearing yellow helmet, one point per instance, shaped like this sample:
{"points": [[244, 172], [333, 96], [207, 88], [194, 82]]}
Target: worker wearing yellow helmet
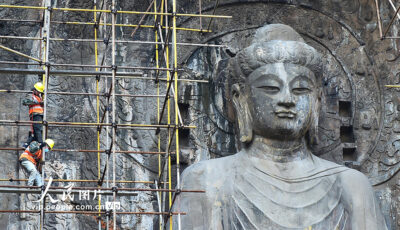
{"points": [[31, 160], [35, 104]]}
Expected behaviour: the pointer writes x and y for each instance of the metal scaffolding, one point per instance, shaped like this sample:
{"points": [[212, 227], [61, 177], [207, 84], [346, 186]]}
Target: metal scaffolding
{"points": [[166, 61], [383, 34]]}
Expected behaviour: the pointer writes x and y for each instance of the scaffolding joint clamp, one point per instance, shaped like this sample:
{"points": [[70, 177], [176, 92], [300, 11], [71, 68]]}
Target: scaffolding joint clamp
{"points": [[106, 41], [45, 123], [47, 64], [99, 182], [114, 125], [8, 90], [178, 191], [113, 67], [174, 14], [11, 179], [98, 128], [108, 152], [157, 24], [42, 188], [114, 11], [97, 77], [50, 8], [158, 130], [115, 189], [108, 213], [107, 95], [96, 25]]}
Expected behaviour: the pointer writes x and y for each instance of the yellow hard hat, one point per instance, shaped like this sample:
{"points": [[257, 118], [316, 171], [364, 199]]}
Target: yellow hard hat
{"points": [[50, 143], [39, 87]]}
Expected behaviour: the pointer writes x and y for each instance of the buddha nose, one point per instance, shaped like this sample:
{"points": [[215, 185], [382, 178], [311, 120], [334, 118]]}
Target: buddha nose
{"points": [[286, 99]]}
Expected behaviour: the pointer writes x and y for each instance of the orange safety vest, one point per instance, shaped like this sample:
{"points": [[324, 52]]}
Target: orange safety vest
{"points": [[32, 157], [36, 108]]}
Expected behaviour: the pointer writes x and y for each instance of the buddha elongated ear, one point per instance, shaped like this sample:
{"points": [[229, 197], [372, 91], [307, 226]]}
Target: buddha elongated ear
{"points": [[313, 130], [243, 117]]}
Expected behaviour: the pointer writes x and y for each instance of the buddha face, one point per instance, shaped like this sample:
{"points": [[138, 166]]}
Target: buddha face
{"points": [[281, 98]]}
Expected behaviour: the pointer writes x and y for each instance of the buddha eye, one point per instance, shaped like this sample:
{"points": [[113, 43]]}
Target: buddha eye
{"points": [[269, 89], [301, 90]]}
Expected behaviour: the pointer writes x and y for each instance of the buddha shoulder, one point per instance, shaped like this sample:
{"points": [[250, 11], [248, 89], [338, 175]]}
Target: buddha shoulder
{"points": [[204, 172], [355, 185]]}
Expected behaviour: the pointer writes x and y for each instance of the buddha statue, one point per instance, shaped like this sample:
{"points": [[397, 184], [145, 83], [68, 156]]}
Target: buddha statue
{"points": [[275, 182]]}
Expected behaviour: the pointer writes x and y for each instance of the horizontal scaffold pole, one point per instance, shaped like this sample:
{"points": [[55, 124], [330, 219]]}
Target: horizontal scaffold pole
{"points": [[36, 188], [70, 124], [83, 181], [64, 72], [92, 151], [118, 12], [80, 94], [116, 41], [59, 191], [91, 212]]}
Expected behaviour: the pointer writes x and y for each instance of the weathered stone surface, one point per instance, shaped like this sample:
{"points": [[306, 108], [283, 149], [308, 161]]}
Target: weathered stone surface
{"points": [[275, 182], [358, 63]]}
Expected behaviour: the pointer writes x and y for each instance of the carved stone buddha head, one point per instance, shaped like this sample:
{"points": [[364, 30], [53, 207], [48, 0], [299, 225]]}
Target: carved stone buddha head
{"points": [[275, 89]]}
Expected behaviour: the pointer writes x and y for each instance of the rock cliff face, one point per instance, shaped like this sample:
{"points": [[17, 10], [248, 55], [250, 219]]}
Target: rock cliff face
{"points": [[358, 124]]}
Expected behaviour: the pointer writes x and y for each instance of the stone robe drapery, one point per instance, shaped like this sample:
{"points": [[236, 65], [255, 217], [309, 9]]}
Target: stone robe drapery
{"points": [[245, 192]]}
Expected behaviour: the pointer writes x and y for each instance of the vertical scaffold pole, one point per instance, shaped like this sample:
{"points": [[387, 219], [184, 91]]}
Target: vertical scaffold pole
{"points": [[114, 131], [107, 111], [159, 201], [176, 107], [97, 108], [46, 34], [167, 63]]}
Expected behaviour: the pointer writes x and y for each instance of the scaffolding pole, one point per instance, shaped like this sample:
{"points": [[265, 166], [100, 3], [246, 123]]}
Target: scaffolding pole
{"points": [[114, 107], [19, 53], [79, 124], [14, 20], [80, 94], [46, 34], [177, 113], [104, 41], [113, 11], [80, 181], [172, 79], [89, 212], [159, 199], [64, 72], [102, 189]]}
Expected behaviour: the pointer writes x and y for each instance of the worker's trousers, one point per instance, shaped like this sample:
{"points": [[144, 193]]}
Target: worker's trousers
{"points": [[37, 129], [34, 175]]}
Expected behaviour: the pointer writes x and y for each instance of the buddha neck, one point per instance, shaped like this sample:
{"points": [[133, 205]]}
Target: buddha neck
{"points": [[276, 150]]}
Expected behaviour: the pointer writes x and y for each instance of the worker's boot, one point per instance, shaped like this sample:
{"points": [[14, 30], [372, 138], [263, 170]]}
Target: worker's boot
{"points": [[30, 138]]}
